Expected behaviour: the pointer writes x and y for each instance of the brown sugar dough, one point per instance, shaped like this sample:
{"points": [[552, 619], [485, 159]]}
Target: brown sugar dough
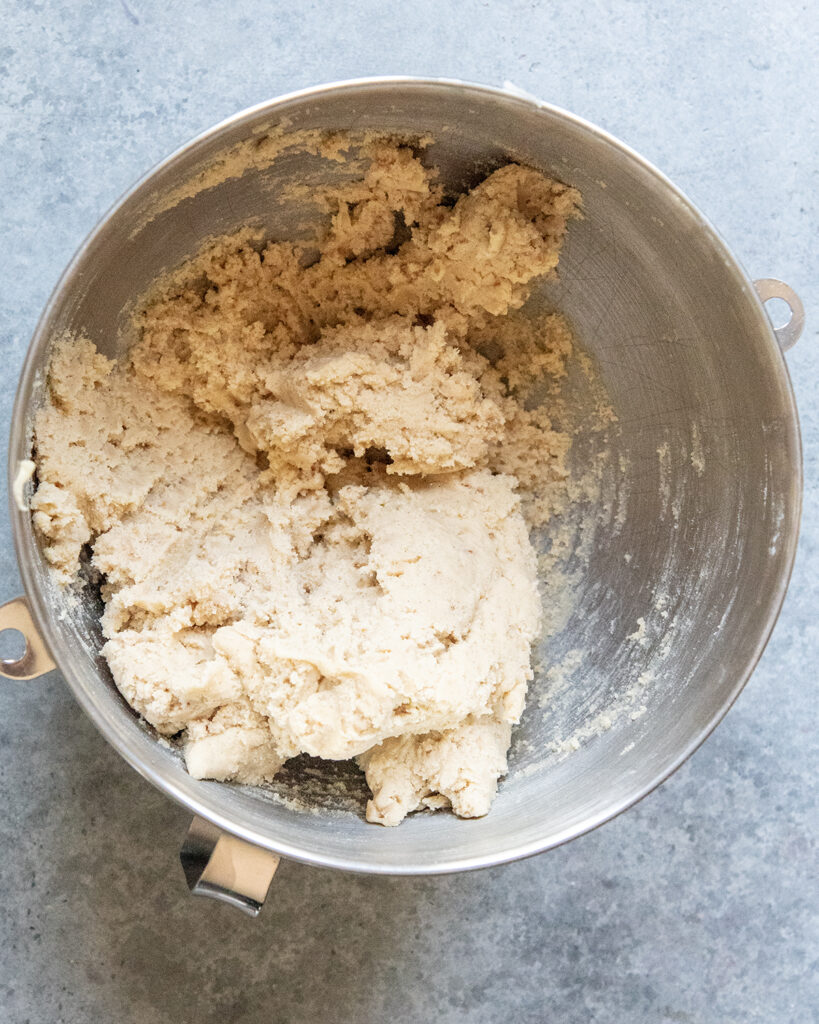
{"points": [[301, 489]]}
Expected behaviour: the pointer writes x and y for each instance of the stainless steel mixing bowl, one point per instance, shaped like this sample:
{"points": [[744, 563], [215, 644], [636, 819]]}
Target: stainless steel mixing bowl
{"points": [[687, 556]]}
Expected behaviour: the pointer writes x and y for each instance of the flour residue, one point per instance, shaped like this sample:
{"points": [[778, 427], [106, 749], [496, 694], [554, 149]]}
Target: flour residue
{"points": [[697, 450]]}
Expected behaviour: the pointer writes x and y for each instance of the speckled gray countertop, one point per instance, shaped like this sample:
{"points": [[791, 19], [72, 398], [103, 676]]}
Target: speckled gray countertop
{"points": [[699, 904]]}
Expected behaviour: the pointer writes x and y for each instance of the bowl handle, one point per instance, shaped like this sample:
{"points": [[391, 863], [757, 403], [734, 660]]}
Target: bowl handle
{"points": [[35, 659], [789, 333], [224, 867]]}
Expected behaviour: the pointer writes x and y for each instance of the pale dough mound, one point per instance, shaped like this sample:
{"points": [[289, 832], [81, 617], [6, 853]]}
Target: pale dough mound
{"points": [[301, 488]]}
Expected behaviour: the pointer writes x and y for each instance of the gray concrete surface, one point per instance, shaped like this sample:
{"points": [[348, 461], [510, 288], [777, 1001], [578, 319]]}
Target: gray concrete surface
{"points": [[700, 904]]}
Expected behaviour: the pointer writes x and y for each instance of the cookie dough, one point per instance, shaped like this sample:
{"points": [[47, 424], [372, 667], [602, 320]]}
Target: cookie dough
{"points": [[302, 489]]}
